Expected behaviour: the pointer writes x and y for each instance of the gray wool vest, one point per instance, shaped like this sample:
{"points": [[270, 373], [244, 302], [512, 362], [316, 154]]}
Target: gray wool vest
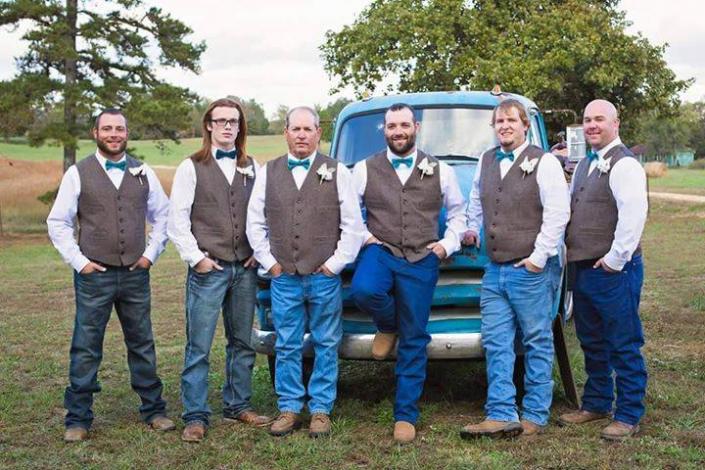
{"points": [[304, 224], [219, 211], [511, 206], [111, 221], [403, 217], [594, 215]]}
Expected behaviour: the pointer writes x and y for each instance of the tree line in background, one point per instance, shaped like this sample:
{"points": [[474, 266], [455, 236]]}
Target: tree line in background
{"points": [[561, 53]]}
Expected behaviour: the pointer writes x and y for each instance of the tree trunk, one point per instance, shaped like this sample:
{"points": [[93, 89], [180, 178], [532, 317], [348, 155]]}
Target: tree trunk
{"points": [[70, 74]]}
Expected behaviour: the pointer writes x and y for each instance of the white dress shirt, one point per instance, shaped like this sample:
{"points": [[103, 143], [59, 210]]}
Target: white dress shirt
{"points": [[628, 185], [183, 191], [555, 199], [351, 225], [62, 218], [453, 199]]}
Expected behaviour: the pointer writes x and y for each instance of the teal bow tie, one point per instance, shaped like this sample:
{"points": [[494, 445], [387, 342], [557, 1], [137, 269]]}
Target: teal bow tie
{"points": [[223, 154], [591, 155], [502, 155], [294, 163], [119, 165], [397, 162]]}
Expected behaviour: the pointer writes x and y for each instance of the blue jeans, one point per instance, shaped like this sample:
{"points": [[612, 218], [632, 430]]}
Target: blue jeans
{"points": [[609, 329], [315, 300], [398, 295], [96, 294], [516, 302], [231, 291]]}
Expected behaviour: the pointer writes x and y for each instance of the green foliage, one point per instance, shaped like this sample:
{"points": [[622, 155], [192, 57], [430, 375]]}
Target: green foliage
{"points": [[328, 114], [85, 55], [257, 122], [276, 125], [665, 134], [697, 136], [561, 53]]}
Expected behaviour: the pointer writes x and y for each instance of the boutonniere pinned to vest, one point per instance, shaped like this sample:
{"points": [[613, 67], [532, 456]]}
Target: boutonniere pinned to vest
{"points": [[138, 171], [603, 166], [325, 173], [528, 166], [426, 167], [246, 172]]}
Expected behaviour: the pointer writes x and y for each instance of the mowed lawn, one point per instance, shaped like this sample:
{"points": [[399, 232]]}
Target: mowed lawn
{"points": [[36, 319], [680, 180]]}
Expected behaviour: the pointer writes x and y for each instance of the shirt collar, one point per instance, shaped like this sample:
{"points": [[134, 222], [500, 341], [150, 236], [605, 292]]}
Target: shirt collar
{"points": [[603, 151], [391, 154], [309, 158], [102, 159]]}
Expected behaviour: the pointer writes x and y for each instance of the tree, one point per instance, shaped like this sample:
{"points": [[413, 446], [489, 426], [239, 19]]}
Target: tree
{"points": [[697, 136], [257, 122], [328, 114], [85, 54], [561, 53], [276, 125]]}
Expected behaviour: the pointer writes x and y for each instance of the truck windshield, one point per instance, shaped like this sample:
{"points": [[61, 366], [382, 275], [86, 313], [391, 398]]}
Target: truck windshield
{"points": [[447, 133]]}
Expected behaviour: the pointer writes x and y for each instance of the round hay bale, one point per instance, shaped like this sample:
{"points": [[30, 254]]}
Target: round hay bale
{"points": [[655, 169]]}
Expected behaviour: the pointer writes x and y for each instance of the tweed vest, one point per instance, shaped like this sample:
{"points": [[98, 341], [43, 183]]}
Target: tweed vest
{"points": [[594, 214], [219, 211], [511, 206], [403, 217], [111, 221], [304, 224]]}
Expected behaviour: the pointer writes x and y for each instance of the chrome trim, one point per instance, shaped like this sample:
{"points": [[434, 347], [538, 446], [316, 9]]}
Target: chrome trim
{"points": [[359, 346]]}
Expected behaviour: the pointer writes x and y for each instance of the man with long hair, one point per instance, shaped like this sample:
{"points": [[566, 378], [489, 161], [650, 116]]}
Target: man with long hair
{"points": [[110, 194], [209, 200]]}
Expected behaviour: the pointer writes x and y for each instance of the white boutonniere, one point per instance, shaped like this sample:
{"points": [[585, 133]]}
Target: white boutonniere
{"points": [[246, 172], [138, 171], [528, 166], [603, 166], [325, 173], [426, 167]]}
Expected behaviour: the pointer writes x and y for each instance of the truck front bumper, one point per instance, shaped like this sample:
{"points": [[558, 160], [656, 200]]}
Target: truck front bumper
{"points": [[444, 346]]}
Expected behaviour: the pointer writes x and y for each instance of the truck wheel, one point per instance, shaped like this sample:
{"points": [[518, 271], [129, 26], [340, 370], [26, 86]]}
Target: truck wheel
{"points": [[306, 369]]}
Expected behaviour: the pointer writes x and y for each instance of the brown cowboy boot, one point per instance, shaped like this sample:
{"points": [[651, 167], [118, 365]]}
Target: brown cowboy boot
{"points": [[249, 417], [161, 423], [580, 417], [320, 425], [383, 344], [619, 431], [194, 432], [530, 428], [404, 432], [75, 434], [491, 428]]}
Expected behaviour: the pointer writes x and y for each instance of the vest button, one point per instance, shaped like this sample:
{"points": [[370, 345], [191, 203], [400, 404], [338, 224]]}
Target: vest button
{"points": [[118, 198], [499, 190], [492, 237], [582, 189], [119, 209], [403, 190], [496, 213], [120, 219], [122, 252], [296, 236], [494, 249]]}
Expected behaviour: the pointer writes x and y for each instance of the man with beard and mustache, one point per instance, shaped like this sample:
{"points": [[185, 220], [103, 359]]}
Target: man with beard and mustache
{"points": [[609, 207], [110, 194], [520, 198], [404, 190]]}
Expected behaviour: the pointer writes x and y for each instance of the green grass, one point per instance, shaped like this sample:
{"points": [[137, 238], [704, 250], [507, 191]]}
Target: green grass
{"points": [[263, 147], [681, 180], [36, 320]]}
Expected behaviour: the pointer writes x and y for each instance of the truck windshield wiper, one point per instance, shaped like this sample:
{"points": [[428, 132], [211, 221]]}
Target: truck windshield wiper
{"points": [[457, 157]]}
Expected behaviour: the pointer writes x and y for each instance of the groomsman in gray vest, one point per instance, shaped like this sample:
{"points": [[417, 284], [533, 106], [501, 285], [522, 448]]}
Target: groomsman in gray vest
{"points": [[110, 194], [520, 198], [609, 207], [305, 225], [403, 190], [207, 217]]}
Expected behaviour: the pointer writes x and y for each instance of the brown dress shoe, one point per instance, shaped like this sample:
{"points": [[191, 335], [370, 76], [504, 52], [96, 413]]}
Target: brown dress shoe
{"points": [[492, 428], [580, 417], [194, 432], [619, 431], [383, 344], [76, 434], [162, 423], [249, 417], [286, 423], [404, 432], [530, 428], [320, 425]]}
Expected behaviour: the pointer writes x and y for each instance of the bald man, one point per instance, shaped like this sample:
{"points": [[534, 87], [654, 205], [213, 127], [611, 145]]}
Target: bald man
{"points": [[608, 212]]}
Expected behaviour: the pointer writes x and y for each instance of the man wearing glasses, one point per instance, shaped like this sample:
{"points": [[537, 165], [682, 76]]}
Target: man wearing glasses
{"points": [[110, 194], [209, 201]]}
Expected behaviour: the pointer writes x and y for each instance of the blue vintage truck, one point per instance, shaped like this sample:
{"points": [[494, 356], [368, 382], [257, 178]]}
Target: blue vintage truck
{"points": [[455, 127]]}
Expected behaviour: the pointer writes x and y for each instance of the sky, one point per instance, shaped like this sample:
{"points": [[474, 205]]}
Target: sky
{"points": [[268, 49]]}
